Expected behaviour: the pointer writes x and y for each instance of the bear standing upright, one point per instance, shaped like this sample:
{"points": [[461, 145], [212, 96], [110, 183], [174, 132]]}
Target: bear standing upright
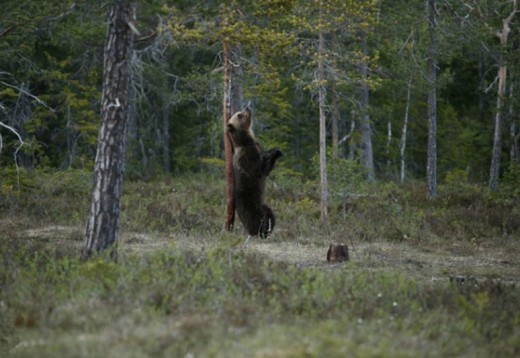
{"points": [[251, 166]]}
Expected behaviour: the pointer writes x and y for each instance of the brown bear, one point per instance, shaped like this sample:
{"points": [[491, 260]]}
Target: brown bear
{"points": [[251, 166]]}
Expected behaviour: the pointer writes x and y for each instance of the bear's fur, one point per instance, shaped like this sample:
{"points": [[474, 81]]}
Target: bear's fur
{"points": [[251, 166]]}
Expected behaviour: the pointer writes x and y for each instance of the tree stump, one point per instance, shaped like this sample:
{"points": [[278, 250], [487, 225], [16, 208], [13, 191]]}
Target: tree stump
{"points": [[337, 253]]}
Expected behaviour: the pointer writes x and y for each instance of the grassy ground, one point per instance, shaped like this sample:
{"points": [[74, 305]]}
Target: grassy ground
{"points": [[183, 288]]}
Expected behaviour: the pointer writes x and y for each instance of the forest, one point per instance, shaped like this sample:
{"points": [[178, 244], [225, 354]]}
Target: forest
{"points": [[399, 123], [376, 82]]}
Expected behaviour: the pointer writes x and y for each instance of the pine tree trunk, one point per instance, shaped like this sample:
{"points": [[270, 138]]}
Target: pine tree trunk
{"points": [[513, 151], [103, 224], [166, 135], [402, 149], [237, 76], [431, 168], [228, 146], [233, 102], [388, 143], [335, 104], [367, 156], [335, 123], [352, 143], [323, 131]]}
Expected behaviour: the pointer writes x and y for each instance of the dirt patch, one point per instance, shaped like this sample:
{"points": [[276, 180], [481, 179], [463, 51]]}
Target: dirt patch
{"points": [[487, 259]]}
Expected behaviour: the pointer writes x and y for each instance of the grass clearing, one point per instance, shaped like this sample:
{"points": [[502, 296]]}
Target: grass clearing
{"points": [[184, 288]]}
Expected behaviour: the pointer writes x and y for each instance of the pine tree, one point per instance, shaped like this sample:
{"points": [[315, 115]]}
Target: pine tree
{"points": [[103, 224]]}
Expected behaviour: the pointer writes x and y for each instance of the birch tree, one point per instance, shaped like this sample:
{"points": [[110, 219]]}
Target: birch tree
{"points": [[404, 131], [367, 155], [502, 35], [324, 194]]}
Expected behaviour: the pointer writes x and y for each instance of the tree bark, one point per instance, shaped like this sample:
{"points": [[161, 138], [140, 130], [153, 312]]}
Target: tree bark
{"points": [[237, 76], [323, 129], [497, 136], [431, 168], [502, 78], [367, 156], [335, 105], [228, 146], [335, 123], [388, 142], [402, 148], [513, 151], [165, 137], [103, 223]]}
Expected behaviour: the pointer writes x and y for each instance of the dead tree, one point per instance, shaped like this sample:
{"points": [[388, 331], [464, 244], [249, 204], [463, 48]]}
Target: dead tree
{"points": [[501, 92]]}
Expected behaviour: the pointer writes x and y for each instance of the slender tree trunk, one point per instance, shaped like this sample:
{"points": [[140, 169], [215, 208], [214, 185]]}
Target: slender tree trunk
{"points": [[237, 76], [335, 104], [233, 102], [501, 92], [335, 123], [103, 224], [497, 137], [367, 156], [352, 143], [388, 142], [166, 135], [402, 148], [228, 146], [502, 77], [513, 129], [431, 168], [71, 140], [482, 82], [323, 130]]}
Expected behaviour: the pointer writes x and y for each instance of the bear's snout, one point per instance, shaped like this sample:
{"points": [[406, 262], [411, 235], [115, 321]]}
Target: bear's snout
{"points": [[230, 128]]}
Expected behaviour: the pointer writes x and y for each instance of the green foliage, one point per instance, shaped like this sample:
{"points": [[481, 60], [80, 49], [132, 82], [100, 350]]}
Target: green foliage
{"points": [[50, 83], [166, 302], [180, 279], [509, 191], [45, 196]]}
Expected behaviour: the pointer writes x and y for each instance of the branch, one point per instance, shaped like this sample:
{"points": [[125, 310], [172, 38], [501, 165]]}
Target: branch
{"points": [[20, 140], [41, 102], [491, 85], [511, 15], [9, 29], [11, 129], [144, 38], [502, 34]]}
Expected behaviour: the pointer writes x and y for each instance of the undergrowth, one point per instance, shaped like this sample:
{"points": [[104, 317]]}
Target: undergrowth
{"points": [[202, 302], [195, 204], [217, 298]]}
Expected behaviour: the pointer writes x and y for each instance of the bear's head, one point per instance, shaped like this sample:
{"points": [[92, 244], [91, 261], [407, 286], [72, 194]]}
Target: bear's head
{"points": [[240, 129]]}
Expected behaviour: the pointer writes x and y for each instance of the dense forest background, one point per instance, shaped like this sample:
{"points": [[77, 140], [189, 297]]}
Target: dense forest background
{"points": [[375, 61]]}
